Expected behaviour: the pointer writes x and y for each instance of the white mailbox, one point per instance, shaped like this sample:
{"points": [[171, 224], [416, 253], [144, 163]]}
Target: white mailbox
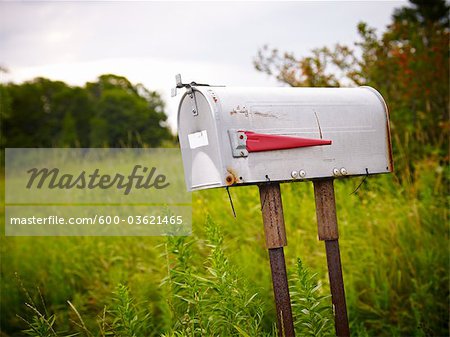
{"points": [[247, 135]]}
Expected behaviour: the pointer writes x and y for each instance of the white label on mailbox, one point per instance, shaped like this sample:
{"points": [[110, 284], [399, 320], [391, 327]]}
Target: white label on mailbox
{"points": [[198, 139]]}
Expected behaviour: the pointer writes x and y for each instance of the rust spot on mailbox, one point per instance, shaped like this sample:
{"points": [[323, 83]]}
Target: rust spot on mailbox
{"points": [[232, 177]]}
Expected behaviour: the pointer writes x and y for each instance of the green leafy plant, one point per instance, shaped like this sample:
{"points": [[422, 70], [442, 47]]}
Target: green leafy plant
{"points": [[216, 303], [313, 315], [127, 318]]}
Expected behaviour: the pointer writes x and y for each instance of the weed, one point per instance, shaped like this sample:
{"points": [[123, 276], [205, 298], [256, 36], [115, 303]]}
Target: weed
{"points": [[312, 311]]}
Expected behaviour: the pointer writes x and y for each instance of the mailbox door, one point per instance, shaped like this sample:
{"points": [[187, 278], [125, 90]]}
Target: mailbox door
{"points": [[199, 143]]}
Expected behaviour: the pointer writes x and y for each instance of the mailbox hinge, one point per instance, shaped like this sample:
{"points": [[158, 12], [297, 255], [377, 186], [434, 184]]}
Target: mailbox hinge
{"points": [[189, 90], [194, 106]]}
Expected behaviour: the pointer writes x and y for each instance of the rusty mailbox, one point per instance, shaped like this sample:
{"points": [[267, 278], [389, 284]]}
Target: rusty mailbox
{"points": [[248, 135], [231, 136]]}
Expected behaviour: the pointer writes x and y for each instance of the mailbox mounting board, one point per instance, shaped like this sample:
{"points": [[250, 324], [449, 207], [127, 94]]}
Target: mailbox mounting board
{"points": [[247, 135]]}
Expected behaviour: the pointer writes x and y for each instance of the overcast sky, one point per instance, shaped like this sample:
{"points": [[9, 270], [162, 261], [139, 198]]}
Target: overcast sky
{"points": [[149, 42]]}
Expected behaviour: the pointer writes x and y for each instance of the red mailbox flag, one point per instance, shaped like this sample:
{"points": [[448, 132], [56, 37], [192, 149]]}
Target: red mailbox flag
{"points": [[257, 142]]}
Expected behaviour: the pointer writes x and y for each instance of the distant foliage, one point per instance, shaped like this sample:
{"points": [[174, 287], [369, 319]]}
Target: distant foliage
{"points": [[109, 112], [408, 64]]}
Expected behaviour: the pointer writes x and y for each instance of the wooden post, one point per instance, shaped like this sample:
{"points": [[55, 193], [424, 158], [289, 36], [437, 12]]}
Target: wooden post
{"points": [[328, 232], [275, 233]]}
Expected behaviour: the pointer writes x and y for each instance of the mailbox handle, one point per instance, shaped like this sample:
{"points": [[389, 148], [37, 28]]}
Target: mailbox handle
{"points": [[257, 142]]}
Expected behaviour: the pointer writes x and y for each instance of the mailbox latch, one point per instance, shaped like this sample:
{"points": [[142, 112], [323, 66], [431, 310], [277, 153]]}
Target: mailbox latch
{"points": [[243, 142]]}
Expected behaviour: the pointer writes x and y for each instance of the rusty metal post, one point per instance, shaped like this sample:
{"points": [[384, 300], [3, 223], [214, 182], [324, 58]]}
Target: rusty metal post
{"points": [[272, 213], [328, 232]]}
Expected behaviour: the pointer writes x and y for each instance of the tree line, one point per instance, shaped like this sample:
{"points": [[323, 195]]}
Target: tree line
{"points": [[108, 112]]}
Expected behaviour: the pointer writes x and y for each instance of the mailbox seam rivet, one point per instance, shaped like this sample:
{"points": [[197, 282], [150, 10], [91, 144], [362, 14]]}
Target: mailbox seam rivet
{"points": [[343, 171], [294, 174], [302, 173], [336, 172]]}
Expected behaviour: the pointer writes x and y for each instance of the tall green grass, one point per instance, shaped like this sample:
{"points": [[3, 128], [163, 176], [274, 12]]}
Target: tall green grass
{"points": [[394, 245], [211, 301]]}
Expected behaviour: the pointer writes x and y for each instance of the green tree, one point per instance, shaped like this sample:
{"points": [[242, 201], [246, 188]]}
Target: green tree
{"points": [[408, 64], [5, 111], [108, 112], [68, 131], [36, 113], [130, 115]]}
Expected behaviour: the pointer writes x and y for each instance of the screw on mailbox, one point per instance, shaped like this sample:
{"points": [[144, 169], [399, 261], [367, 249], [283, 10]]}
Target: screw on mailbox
{"points": [[322, 131]]}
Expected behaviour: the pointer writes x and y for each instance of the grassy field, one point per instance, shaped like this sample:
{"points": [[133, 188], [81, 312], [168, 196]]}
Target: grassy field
{"points": [[394, 246]]}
